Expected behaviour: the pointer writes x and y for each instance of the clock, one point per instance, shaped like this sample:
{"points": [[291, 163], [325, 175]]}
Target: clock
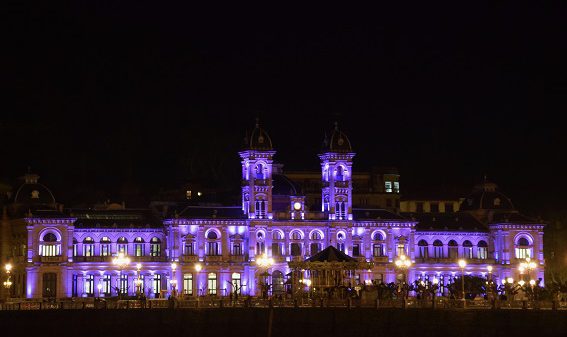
{"points": [[297, 206]]}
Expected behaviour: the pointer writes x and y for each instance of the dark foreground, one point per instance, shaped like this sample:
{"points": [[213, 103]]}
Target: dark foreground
{"points": [[287, 322]]}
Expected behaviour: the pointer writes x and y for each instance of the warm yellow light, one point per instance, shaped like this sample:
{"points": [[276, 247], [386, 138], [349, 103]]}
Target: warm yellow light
{"points": [[510, 280], [532, 283], [462, 263], [307, 282], [173, 266], [435, 280], [8, 267], [521, 269], [489, 269], [297, 206], [198, 267], [138, 266], [99, 286], [521, 283], [532, 265]]}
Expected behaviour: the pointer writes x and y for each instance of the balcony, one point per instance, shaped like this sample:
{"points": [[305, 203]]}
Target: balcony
{"points": [[92, 258], [237, 258], [261, 182], [149, 258], [213, 258], [445, 260], [189, 258], [380, 259], [342, 184], [51, 259]]}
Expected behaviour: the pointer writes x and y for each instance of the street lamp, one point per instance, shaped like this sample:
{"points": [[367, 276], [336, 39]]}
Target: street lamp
{"points": [[99, 288], [8, 282], [489, 280], [462, 265], [122, 262], [265, 262], [528, 265], [403, 263], [138, 281], [173, 281]]}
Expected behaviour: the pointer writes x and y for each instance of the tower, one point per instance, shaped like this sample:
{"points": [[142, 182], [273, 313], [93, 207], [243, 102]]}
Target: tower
{"points": [[336, 174], [256, 162]]}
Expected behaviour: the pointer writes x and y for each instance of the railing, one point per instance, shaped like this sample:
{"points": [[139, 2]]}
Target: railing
{"points": [[237, 258], [189, 258], [447, 260], [92, 258], [380, 259], [244, 302], [213, 258], [341, 183], [149, 258], [51, 259]]}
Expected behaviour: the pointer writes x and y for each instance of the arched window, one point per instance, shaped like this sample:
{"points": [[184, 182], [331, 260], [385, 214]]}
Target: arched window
{"points": [[296, 235], [453, 249], [438, 249], [50, 246], [326, 204], [260, 208], [423, 249], [122, 245], [105, 246], [340, 174], [259, 171], [482, 250], [341, 241], [377, 236], [340, 210], [316, 235], [155, 247], [189, 248], [212, 283], [139, 246], [277, 235], [75, 247], [523, 248], [260, 244], [88, 246], [467, 249], [213, 246]]}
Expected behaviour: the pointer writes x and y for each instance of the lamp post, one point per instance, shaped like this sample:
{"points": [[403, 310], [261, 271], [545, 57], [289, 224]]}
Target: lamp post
{"points": [[173, 281], [462, 265], [8, 282], [403, 263], [122, 262], [264, 262], [99, 288], [528, 266], [489, 281]]}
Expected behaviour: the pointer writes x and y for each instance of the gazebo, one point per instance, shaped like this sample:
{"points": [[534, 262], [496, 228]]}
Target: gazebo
{"points": [[328, 270]]}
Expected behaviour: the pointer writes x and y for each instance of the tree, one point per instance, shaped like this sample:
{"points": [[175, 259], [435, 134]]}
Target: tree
{"points": [[474, 286]]}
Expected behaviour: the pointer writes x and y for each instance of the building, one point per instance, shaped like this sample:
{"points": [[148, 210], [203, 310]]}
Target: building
{"points": [[197, 249]]}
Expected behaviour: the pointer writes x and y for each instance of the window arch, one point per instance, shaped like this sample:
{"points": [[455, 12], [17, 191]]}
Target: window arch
{"points": [[105, 246], [88, 246], [259, 171], [213, 244], [296, 235], [122, 245], [482, 250], [260, 244], [155, 247], [437, 249], [49, 237], [316, 235], [341, 236], [423, 249], [277, 235], [139, 246], [467, 249], [377, 236], [339, 173], [524, 246]]}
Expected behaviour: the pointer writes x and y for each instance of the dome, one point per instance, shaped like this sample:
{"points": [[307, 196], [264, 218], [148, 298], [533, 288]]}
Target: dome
{"points": [[283, 186], [486, 196], [258, 139], [338, 142], [32, 192]]}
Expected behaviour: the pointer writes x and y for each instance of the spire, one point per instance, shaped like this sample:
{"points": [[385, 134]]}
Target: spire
{"points": [[257, 122]]}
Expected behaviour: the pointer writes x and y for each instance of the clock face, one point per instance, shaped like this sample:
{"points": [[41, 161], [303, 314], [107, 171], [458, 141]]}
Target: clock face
{"points": [[297, 206]]}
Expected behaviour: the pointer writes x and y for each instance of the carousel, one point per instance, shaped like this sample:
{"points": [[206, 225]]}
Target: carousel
{"points": [[329, 273]]}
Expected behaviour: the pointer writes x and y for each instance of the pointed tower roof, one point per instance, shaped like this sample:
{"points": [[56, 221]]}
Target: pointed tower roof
{"points": [[338, 142], [258, 139], [331, 254]]}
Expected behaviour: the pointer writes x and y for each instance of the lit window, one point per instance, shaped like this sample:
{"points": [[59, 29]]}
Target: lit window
{"points": [[157, 285], [467, 249], [155, 247], [438, 249], [236, 283], [139, 246], [523, 249], [188, 194], [212, 283], [482, 250], [188, 284], [396, 187], [89, 285], [388, 186]]}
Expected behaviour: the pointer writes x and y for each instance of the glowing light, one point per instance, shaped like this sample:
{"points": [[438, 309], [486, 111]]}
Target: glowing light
{"points": [[532, 283], [8, 267], [521, 283], [510, 280], [198, 267], [462, 263], [489, 269], [173, 266], [297, 206]]}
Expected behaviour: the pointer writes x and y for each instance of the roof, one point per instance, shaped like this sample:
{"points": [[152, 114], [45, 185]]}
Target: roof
{"points": [[486, 195], [89, 218], [513, 217], [447, 222], [214, 212], [32, 192], [375, 214], [330, 254], [338, 142], [258, 139], [282, 185]]}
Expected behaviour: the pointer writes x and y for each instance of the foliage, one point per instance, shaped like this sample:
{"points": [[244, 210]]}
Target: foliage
{"points": [[474, 286]]}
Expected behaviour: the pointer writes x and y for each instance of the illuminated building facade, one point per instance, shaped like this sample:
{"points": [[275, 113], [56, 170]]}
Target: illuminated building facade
{"points": [[69, 252]]}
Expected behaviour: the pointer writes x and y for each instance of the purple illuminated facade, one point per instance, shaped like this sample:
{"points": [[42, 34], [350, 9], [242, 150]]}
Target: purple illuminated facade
{"points": [[69, 253]]}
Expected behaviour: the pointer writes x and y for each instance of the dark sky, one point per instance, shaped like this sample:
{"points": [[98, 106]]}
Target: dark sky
{"points": [[101, 96]]}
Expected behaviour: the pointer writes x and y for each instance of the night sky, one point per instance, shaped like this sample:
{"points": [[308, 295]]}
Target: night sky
{"points": [[105, 98]]}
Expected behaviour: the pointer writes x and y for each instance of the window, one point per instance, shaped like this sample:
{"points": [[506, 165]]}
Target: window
{"points": [[139, 246], [188, 284], [213, 248], [212, 283], [340, 210], [419, 207], [156, 285], [377, 250], [296, 249], [438, 249], [377, 236], [401, 249], [340, 176], [75, 247], [277, 235], [453, 249], [106, 285], [259, 171], [523, 248], [423, 249], [396, 187], [88, 246], [449, 207], [105, 246], [316, 235], [434, 207], [277, 249], [296, 235], [74, 285], [124, 284], [236, 249], [50, 246], [388, 186], [122, 246], [482, 250], [89, 285], [315, 248], [236, 283], [326, 204], [341, 246], [278, 282], [260, 209], [467, 250], [260, 248], [189, 248], [155, 247], [356, 249]]}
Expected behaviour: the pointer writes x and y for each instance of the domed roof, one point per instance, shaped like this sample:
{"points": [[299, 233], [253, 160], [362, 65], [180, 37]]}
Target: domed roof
{"points": [[486, 195], [258, 139], [338, 142], [282, 185], [32, 192]]}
